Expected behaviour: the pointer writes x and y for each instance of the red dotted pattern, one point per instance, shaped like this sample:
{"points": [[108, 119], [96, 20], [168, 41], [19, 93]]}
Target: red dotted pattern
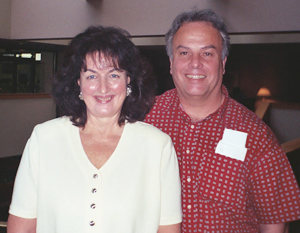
{"points": [[219, 193]]}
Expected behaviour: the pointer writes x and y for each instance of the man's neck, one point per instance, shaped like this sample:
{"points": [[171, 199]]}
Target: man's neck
{"points": [[198, 109]]}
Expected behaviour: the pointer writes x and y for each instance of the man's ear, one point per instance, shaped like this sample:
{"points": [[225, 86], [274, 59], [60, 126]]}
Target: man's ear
{"points": [[223, 64], [171, 65]]}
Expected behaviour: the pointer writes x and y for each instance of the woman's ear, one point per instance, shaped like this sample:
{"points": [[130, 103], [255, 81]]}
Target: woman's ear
{"points": [[128, 80], [78, 82]]}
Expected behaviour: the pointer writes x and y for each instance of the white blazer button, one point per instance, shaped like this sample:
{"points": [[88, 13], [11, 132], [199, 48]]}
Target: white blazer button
{"points": [[92, 223]]}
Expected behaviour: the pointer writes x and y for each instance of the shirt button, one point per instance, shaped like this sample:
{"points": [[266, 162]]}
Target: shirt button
{"points": [[95, 176], [189, 207], [189, 179], [93, 206], [187, 151], [94, 190], [192, 126], [92, 223]]}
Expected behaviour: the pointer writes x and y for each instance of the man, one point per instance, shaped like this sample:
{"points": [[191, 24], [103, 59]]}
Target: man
{"points": [[235, 177]]}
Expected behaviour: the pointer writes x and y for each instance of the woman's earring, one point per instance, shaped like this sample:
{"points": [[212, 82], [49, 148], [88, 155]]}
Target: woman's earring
{"points": [[80, 95], [128, 90]]}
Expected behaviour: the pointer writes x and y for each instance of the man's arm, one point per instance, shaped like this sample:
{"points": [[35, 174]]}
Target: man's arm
{"points": [[274, 228], [20, 225], [175, 228]]}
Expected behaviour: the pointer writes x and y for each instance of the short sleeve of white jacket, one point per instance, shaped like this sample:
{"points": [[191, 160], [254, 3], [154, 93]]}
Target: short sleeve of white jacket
{"points": [[135, 191]]}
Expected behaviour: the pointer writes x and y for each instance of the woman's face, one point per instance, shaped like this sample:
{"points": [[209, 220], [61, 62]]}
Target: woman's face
{"points": [[103, 87]]}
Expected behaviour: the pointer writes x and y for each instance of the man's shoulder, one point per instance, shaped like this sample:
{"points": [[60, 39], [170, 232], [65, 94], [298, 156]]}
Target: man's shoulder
{"points": [[240, 116], [232, 103], [162, 106], [166, 96], [166, 99]]}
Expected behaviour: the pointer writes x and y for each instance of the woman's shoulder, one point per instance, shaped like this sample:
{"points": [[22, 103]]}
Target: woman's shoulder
{"points": [[140, 125], [54, 125], [144, 129]]}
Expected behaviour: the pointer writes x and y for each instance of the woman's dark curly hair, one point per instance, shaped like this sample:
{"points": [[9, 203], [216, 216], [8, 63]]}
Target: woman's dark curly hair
{"points": [[114, 44]]}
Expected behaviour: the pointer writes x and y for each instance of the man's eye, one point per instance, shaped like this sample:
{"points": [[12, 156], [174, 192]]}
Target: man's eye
{"points": [[208, 54], [183, 53]]}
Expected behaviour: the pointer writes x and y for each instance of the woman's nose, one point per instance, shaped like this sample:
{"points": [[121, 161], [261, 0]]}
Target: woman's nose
{"points": [[103, 85]]}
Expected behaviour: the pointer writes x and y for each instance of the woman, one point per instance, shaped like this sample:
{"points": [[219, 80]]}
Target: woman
{"points": [[98, 168]]}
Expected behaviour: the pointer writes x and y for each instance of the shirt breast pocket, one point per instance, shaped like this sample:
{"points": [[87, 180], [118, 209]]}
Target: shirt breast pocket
{"points": [[221, 179]]}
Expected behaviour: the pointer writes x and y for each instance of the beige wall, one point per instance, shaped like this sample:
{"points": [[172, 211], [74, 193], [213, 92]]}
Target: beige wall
{"points": [[285, 123], [5, 10], [59, 19], [17, 119]]}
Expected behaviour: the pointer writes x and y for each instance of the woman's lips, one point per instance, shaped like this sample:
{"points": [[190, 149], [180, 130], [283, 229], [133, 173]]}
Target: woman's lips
{"points": [[103, 99]]}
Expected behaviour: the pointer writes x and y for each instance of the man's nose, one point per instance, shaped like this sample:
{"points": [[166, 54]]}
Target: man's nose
{"points": [[196, 61]]}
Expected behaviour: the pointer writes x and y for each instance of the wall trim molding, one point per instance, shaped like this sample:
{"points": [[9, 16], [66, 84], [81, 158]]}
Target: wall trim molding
{"points": [[24, 95], [236, 38]]}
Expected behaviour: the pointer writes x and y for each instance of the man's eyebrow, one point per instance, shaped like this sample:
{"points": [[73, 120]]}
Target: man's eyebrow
{"points": [[209, 47], [205, 47], [182, 47]]}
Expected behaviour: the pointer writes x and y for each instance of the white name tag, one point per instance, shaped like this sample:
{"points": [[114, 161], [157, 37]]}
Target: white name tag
{"points": [[233, 144]]}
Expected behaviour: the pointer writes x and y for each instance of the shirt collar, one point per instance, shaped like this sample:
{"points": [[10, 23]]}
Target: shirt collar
{"points": [[175, 104]]}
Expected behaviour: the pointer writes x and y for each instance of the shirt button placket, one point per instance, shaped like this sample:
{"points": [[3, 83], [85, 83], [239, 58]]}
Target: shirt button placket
{"points": [[188, 152]]}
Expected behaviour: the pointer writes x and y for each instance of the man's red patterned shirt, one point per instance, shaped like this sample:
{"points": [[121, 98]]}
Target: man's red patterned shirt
{"points": [[222, 192]]}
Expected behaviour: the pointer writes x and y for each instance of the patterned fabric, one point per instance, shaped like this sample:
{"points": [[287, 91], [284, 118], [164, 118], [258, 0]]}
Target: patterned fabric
{"points": [[221, 193]]}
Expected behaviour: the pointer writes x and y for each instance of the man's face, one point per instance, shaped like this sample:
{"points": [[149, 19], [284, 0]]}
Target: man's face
{"points": [[197, 66]]}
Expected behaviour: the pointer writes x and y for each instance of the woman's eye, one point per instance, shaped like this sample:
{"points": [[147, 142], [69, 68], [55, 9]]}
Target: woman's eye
{"points": [[91, 77], [114, 76]]}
